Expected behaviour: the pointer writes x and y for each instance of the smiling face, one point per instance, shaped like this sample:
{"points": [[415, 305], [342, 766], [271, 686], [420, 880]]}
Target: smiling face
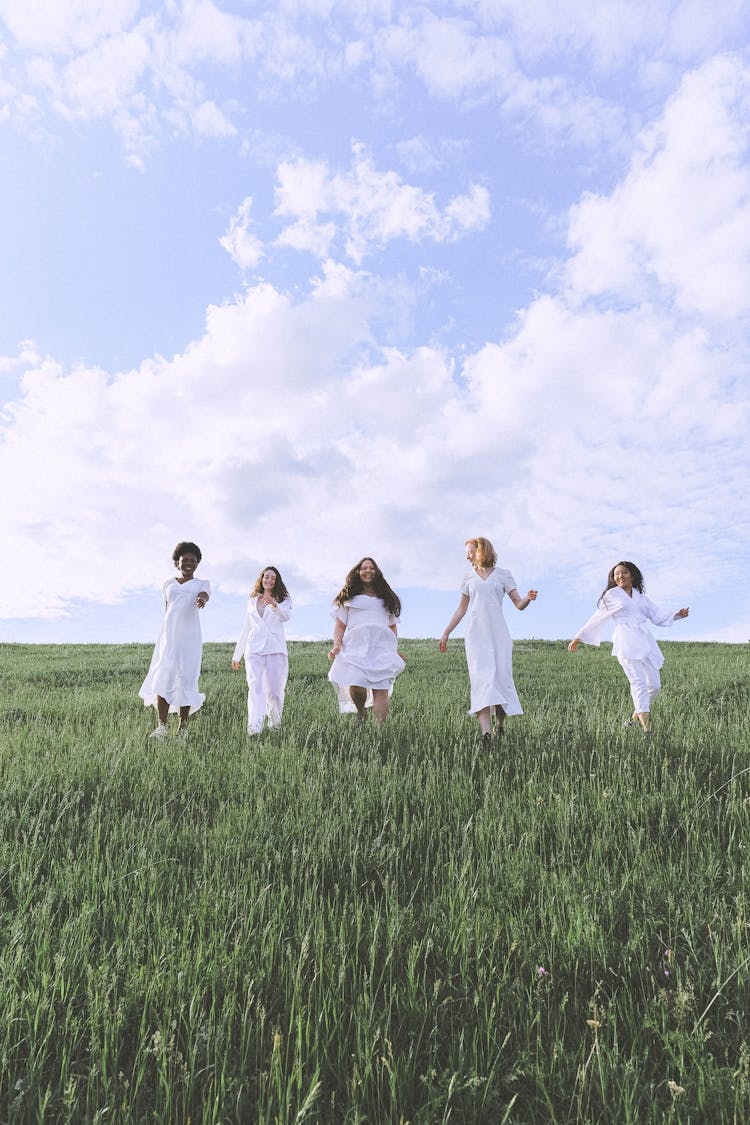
{"points": [[623, 578], [187, 564], [367, 572], [269, 580], [471, 550]]}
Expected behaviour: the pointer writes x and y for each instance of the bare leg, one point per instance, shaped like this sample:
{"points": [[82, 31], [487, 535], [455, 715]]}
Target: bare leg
{"points": [[184, 712], [162, 710], [644, 718], [485, 720], [499, 720], [380, 704], [359, 698]]}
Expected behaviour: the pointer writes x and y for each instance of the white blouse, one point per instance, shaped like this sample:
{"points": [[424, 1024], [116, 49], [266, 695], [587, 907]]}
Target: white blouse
{"points": [[632, 639], [263, 634]]}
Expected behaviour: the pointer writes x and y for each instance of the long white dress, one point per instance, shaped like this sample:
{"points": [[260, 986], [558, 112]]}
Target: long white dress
{"points": [[176, 662], [631, 639], [489, 647], [369, 650], [263, 644]]}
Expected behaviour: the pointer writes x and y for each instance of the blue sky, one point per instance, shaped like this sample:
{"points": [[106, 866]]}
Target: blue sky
{"points": [[310, 280]]}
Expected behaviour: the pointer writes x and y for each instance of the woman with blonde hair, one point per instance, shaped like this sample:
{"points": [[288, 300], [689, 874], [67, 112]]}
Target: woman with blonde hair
{"points": [[489, 648]]}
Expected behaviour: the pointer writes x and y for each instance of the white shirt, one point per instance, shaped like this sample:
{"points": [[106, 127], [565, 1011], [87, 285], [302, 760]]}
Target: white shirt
{"points": [[263, 633], [632, 639]]}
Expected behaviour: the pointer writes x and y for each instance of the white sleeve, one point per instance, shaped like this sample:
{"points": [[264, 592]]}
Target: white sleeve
{"points": [[284, 609], [340, 613], [656, 616], [239, 648], [591, 633]]}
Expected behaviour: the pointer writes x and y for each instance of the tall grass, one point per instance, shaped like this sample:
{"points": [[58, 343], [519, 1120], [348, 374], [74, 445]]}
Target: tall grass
{"points": [[333, 924]]}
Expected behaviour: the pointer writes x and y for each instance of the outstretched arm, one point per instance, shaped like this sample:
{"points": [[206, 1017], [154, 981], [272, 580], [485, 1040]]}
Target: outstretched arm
{"points": [[463, 605], [338, 636], [681, 613], [518, 601]]}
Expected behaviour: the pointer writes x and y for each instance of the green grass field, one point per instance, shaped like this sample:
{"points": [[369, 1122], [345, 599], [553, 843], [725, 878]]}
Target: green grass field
{"points": [[332, 924]]}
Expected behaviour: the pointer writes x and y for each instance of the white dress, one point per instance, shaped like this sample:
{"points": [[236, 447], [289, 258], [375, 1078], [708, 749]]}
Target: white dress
{"points": [[632, 639], [489, 648], [369, 650], [176, 663]]}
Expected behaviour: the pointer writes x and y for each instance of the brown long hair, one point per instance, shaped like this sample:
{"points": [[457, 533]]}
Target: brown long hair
{"points": [[279, 591], [353, 586]]}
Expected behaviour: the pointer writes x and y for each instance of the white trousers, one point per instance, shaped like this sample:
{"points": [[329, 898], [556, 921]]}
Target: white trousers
{"points": [[644, 682], [266, 683]]}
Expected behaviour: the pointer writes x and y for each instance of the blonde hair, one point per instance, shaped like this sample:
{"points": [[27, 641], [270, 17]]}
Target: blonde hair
{"points": [[486, 555]]}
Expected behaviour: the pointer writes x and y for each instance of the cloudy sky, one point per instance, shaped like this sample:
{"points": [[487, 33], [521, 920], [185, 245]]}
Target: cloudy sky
{"points": [[311, 279]]}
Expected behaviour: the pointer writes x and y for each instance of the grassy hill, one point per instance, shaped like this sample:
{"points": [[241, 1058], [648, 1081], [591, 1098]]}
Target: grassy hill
{"points": [[338, 924]]}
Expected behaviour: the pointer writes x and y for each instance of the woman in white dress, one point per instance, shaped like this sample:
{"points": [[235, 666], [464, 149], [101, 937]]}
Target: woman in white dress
{"points": [[489, 648], [365, 649], [625, 603], [171, 684], [263, 645]]}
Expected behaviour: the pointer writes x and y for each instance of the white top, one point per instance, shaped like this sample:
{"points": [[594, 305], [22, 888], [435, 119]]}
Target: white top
{"points": [[489, 648], [632, 639], [263, 633], [176, 662]]}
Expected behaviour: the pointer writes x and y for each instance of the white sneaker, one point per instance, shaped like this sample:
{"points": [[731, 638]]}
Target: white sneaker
{"points": [[160, 732], [182, 734]]}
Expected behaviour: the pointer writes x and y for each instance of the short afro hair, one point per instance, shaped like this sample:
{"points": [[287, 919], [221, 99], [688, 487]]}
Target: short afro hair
{"points": [[186, 548]]}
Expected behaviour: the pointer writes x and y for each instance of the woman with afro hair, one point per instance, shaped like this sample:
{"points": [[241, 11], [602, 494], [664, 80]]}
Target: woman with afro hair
{"points": [[171, 684]]}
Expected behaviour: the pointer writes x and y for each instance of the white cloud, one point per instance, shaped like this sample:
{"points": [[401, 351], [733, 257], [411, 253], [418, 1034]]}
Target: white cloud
{"points": [[371, 207], [680, 220], [145, 66], [241, 245]]}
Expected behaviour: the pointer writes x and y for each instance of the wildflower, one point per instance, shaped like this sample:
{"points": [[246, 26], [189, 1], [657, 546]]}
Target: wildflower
{"points": [[674, 1089], [542, 972], [594, 1024]]}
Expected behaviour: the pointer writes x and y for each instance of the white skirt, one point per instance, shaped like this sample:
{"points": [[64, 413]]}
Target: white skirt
{"points": [[369, 658]]}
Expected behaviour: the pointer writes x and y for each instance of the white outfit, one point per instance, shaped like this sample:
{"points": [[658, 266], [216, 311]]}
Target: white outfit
{"points": [[369, 650], [263, 645], [176, 662], [489, 648], [632, 642]]}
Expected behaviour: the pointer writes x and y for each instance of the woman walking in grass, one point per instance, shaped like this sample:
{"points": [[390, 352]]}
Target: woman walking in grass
{"points": [[489, 648], [365, 649], [172, 680], [263, 645], [625, 602]]}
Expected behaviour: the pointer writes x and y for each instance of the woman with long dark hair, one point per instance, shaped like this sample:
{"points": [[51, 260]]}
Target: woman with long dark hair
{"points": [[624, 601], [263, 644], [365, 650]]}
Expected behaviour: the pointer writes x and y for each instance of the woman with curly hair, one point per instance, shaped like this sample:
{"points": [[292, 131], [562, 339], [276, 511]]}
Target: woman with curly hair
{"points": [[263, 645], [171, 684], [489, 648], [365, 650], [624, 601]]}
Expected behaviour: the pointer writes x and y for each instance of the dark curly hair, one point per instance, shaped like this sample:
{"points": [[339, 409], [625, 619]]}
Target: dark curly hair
{"points": [[186, 548], [279, 591], [635, 574], [353, 586]]}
